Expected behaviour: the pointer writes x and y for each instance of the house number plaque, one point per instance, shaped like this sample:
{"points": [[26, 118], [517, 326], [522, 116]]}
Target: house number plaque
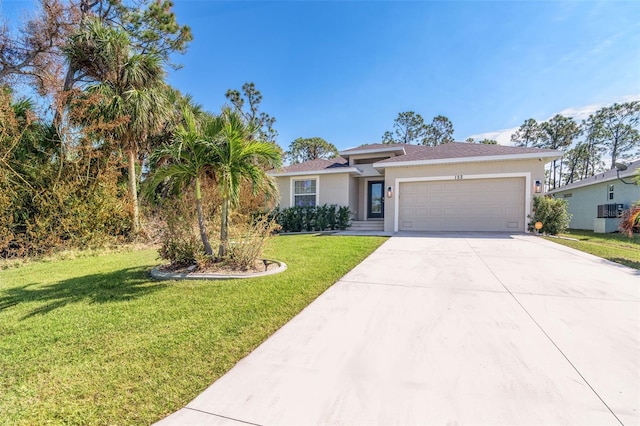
{"points": [[458, 177]]}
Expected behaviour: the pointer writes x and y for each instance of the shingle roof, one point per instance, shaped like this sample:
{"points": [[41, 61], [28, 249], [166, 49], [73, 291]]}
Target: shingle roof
{"points": [[412, 153], [369, 146], [464, 150], [602, 177], [315, 165]]}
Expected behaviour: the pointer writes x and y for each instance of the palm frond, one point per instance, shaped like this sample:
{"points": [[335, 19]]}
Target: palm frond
{"points": [[630, 220]]}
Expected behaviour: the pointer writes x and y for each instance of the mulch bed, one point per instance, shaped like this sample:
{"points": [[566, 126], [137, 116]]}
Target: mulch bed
{"points": [[219, 268]]}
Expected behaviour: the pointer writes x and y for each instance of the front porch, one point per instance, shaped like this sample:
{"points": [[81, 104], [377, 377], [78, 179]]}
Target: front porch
{"points": [[366, 226]]}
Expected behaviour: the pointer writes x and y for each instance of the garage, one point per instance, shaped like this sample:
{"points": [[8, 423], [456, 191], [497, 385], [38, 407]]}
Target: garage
{"points": [[493, 205]]}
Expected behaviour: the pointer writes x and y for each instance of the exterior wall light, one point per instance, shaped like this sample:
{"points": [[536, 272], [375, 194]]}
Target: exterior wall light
{"points": [[389, 192], [538, 187]]}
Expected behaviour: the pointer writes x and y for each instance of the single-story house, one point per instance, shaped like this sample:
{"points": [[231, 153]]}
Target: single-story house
{"points": [[596, 202], [450, 187]]}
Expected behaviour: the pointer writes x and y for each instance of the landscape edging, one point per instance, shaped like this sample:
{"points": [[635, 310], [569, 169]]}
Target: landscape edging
{"points": [[159, 275]]}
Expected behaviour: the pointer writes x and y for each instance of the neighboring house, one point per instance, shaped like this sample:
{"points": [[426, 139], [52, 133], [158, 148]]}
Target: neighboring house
{"points": [[450, 187], [595, 202]]}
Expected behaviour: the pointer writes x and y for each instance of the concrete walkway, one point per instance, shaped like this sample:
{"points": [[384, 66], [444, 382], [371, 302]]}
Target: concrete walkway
{"points": [[448, 328]]}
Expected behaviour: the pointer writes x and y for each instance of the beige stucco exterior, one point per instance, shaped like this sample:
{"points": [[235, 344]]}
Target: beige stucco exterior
{"points": [[490, 174], [335, 188], [354, 196], [284, 186], [530, 169]]}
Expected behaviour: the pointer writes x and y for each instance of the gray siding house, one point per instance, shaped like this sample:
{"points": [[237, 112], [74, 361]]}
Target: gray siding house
{"points": [[595, 202]]}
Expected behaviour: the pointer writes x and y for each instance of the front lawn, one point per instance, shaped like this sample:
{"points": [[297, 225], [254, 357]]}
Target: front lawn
{"points": [[614, 247], [95, 341]]}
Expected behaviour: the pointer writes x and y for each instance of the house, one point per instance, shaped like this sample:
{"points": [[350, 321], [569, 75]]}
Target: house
{"points": [[595, 202], [450, 187]]}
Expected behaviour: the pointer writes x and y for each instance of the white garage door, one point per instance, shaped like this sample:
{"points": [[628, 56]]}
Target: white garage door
{"points": [[462, 205]]}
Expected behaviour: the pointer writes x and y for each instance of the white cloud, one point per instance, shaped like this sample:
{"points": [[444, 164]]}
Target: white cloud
{"points": [[577, 113], [502, 136]]}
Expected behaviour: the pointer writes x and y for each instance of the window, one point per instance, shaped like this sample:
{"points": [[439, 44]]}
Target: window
{"points": [[305, 192], [610, 192], [610, 210]]}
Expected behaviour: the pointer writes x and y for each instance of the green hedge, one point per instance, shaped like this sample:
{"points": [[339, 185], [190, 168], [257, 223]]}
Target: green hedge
{"points": [[319, 218], [552, 213]]}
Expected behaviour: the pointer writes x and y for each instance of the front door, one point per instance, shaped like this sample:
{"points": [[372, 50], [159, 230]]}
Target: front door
{"points": [[375, 204]]}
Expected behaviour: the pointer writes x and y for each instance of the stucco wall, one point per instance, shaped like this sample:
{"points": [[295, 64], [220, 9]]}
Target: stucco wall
{"points": [[333, 189], [534, 166], [362, 210], [353, 158], [354, 193], [284, 186], [368, 170], [583, 201]]}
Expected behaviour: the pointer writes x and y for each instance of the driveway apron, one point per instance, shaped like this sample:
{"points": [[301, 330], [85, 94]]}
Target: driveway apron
{"points": [[448, 328]]}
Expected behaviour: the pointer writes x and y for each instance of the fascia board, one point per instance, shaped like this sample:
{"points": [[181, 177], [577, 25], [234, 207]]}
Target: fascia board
{"points": [[627, 174], [528, 156], [354, 170], [583, 184], [371, 151]]}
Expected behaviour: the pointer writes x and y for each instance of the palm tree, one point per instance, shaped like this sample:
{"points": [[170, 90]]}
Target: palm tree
{"points": [[630, 220], [130, 91], [184, 162], [241, 159]]}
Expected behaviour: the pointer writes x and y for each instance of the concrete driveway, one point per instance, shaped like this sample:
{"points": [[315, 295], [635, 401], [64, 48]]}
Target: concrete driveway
{"points": [[448, 329]]}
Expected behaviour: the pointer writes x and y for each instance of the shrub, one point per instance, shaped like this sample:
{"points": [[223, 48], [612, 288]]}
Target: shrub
{"points": [[320, 218], [344, 218], [552, 213], [247, 239], [179, 241]]}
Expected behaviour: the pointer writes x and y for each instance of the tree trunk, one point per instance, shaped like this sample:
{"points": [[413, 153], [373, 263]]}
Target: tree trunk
{"points": [[203, 231], [66, 87], [560, 172], [224, 228], [133, 191]]}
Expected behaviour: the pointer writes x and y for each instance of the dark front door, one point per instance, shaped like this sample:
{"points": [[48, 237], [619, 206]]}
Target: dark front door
{"points": [[375, 203]]}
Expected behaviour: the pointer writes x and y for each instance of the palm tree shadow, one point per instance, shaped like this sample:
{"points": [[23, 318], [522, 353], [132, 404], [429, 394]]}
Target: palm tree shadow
{"points": [[117, 286]]}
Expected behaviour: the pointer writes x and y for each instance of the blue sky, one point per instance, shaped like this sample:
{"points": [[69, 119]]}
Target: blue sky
{"points": [[343, 70]]}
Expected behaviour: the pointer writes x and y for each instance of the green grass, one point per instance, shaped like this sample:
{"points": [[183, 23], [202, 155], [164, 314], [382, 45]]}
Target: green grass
{"points": [[614, 247], [94, 341]]}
